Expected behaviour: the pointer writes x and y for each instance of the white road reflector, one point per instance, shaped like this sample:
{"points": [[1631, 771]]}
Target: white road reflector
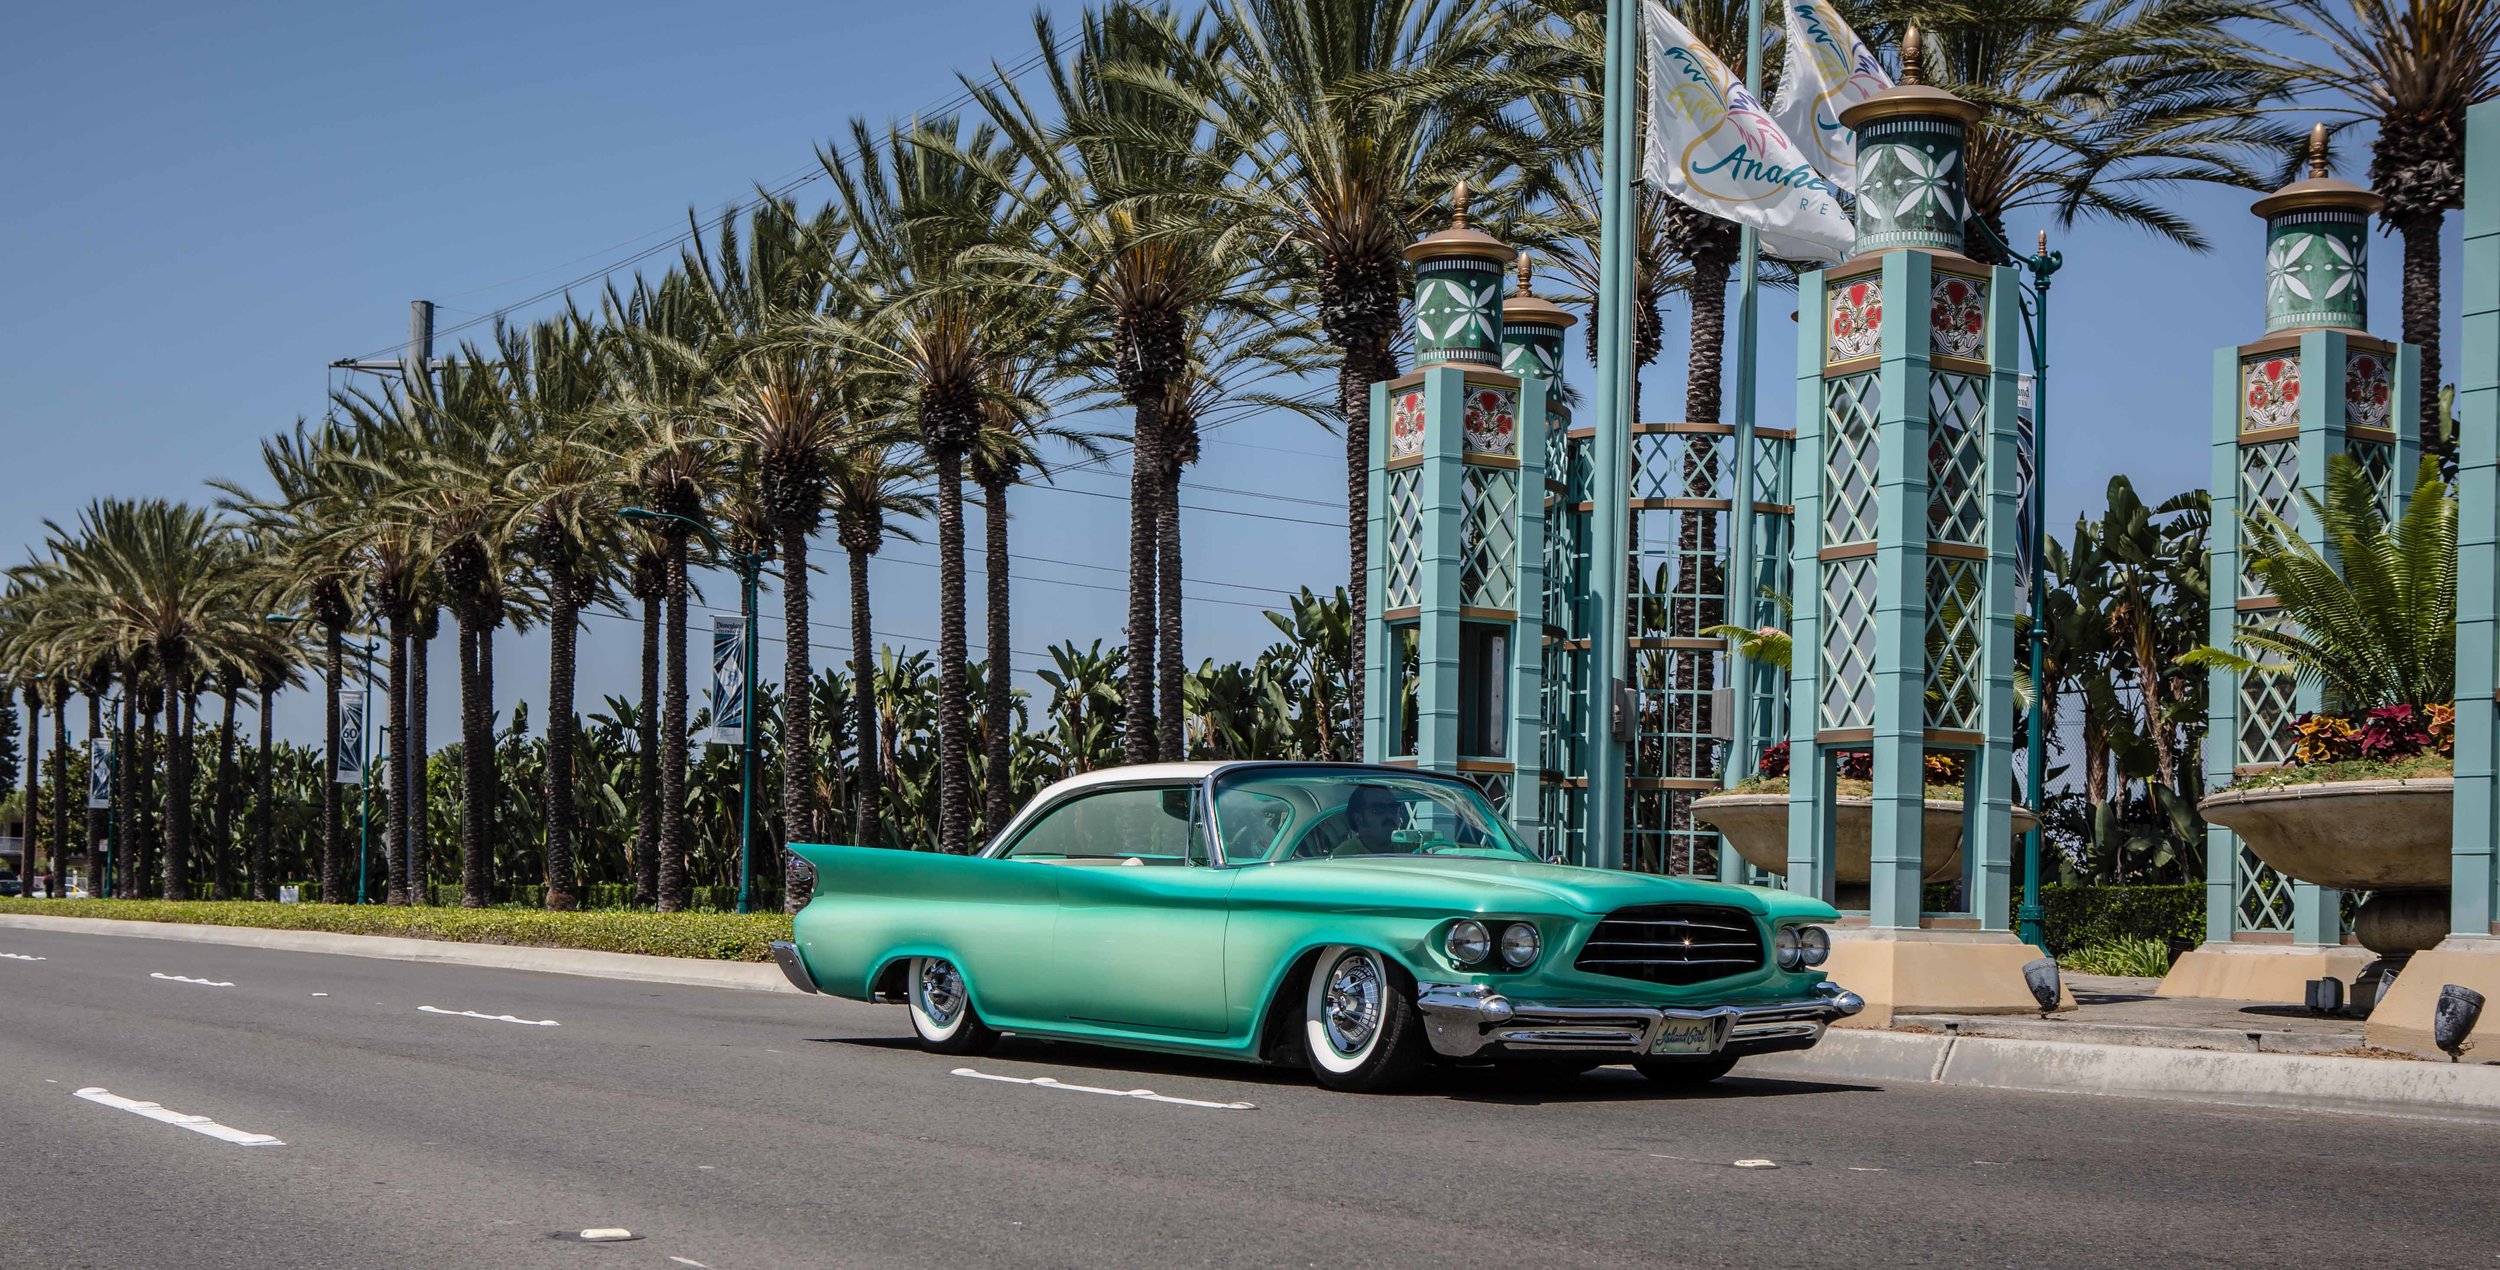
{"points": [[205, 983], [163, 1115], [603, 1234], [491, 1018], [1757, 1164], [1145, 1095], [22, 957]]}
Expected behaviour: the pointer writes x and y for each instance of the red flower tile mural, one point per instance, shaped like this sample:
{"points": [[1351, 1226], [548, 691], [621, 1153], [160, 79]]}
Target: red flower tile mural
{"points": [[2270, 392], [2369, 387], [1857, 319], [1492, 421], [1957, 317], [1406, 425]]}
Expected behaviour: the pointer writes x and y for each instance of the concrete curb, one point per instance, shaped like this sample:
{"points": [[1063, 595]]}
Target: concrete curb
{"points": [[750, 976], [2304, 1082]]}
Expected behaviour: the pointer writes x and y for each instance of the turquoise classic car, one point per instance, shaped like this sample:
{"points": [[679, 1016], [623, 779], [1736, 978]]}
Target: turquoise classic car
{"points": [[1363, 920]]}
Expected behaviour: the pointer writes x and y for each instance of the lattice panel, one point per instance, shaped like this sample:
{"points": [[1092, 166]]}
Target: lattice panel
{"points": [[2378, 461], [1488, 557], [1957, 459], [1852, 458], [1955, 654], [2265, 896], [1677, 465], [1770, 467], [2269, 481], [1848, 678], [1660, 836], [1679, 575], [1496, 787], [1672, 722], [1405, 549]]}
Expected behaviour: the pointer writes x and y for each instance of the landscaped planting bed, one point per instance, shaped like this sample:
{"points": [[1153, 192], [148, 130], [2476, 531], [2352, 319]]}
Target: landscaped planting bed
{"points": [[709, 936]]}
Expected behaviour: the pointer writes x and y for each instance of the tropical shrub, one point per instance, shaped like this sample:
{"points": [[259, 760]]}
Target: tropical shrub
{"points": [[2133, 958]]}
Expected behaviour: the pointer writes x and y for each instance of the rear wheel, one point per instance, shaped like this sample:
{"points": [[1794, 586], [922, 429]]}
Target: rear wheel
{"points": [[941, 1009], [1359, 1026], [1685, 1073]]}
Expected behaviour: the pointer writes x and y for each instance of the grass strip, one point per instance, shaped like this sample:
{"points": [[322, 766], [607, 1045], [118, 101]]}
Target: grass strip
{"points": [[705, 936]]}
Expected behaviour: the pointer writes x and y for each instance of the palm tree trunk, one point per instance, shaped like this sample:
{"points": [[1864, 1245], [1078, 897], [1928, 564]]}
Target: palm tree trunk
{"points": [[673, 882], [99, 824], [477, 768], [401, 887], [997, 777], [221, 863], [333, 849], [27, 840], [1145, 494], [2421, 324], [954, 765], [1712, 263], [424, 623], [126, 788], [1368, 360], [151, 812], [264, 818], [798, 722], [563, 628], [871, 790], [1171, 731], [60, 792], [177, 783], [646, 760]]}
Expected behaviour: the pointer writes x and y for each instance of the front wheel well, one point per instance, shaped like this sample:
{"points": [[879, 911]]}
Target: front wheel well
{"points": [[1280, 1025]]}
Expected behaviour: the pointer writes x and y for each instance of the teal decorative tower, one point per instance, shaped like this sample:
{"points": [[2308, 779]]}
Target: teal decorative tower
{"points": [[1457, 570], [2314, 386], [1533, 329], [1905, 571]]}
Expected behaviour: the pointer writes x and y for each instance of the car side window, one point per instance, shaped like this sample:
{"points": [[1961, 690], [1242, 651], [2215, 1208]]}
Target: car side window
{"points": [[1155, 824]]}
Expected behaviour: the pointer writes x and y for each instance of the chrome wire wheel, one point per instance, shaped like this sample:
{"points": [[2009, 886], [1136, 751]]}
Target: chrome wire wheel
{"points": [[939, 991], [1351, 1013]]}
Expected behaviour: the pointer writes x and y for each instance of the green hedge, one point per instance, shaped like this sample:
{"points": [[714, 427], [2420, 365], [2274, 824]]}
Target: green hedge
{"points": [[2082, 916], [709, 936], [606, 895]]}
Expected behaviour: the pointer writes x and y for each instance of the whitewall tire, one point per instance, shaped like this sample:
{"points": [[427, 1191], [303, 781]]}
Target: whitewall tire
{"points": [[941, 1008], [1359, 1026]]}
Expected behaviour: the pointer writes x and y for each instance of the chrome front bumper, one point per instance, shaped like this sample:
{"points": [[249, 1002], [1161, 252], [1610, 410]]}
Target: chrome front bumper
{"points": [[1470, 1020]]}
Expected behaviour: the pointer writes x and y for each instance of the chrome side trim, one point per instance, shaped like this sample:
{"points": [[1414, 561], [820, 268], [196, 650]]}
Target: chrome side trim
{"points": [[786, 956], [1469, 1020]]}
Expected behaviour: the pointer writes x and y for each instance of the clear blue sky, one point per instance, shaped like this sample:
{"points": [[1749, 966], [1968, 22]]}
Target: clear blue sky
{"points": [[210, 207]]}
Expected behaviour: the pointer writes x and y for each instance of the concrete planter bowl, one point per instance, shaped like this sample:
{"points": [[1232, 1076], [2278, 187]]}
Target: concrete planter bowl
{"points": [[2387, 837], [1757, 826]]}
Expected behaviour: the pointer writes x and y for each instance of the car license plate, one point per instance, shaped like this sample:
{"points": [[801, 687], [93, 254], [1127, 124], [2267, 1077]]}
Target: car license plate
{"points": [[1687, 1036]]}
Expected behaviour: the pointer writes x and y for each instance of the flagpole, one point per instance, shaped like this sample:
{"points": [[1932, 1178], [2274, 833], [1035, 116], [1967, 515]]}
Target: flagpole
{"points": [[1611, 489], [1743, 676]]}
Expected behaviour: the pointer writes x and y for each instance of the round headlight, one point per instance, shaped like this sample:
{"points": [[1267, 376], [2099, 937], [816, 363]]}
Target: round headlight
{"points": [[1816, 942], [1467, 942], [1785, 946], [1521, 945]]}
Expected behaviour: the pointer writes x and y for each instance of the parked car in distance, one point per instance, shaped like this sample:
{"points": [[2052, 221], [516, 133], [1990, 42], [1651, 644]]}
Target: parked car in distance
{"points": [[9, 885], [1361, 920]]}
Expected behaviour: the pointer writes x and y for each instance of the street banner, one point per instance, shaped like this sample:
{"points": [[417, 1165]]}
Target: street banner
{"points": [[350, 768], [99, 773], [729, 681], [1829, 70], [1713, 147]]}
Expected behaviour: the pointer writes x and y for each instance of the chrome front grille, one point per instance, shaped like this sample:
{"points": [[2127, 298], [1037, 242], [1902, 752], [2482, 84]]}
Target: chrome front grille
{"points": [[1674, 943]]}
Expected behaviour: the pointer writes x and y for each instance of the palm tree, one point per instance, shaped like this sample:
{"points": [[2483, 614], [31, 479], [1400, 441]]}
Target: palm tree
{"points": [[1353, 118], [919, 201], [2381, 629], [2412, 69], [873, 479]]}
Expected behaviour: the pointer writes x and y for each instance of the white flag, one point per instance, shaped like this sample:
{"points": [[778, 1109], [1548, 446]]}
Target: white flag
{"points": [[1829, 70], [1713, 147]]}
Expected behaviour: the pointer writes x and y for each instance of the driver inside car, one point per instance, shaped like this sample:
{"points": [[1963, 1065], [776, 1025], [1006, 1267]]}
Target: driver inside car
{"points": [[1373, 816]]}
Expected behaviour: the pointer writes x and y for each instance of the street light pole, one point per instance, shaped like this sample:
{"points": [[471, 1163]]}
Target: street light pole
{"points": [[749, 563], [2031, 918]]}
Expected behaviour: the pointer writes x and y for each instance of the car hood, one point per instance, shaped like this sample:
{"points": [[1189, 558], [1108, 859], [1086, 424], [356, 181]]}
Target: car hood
{"points": [[1494, 884]]}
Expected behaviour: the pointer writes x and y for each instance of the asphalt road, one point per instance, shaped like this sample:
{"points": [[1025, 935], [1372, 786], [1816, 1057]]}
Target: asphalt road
{"points": [[741, 1129]]}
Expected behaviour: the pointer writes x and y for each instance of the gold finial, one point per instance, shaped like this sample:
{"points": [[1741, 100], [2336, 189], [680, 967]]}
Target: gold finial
{"points": [[1909, 55], [1458, 206], [2044, 242], [1524, 272], [2317, 152]]}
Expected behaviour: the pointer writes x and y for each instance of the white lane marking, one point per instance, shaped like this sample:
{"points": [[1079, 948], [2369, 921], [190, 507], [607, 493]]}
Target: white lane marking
{"points": [[23, 957], [205, 983], [1757, 1164], [602, 1234], [321, 994], [491, 1018], [1146, 1095], [196, 1124], [689, 1261]]}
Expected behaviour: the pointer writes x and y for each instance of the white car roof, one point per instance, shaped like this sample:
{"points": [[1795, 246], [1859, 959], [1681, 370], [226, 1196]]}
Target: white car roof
{"points": [[1137, 772]]}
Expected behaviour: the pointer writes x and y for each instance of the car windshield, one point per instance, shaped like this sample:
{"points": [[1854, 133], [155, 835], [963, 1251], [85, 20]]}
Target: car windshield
{"points": [[1268, 815]]}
